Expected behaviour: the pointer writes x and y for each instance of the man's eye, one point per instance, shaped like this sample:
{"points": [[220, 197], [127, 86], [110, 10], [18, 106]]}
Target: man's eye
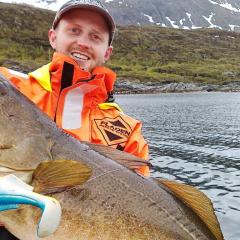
{"points": [[96, 37], [75, 30]]}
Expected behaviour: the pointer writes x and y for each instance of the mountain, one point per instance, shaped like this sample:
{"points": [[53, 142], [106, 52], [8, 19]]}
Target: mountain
{"points": [[183, 14]]}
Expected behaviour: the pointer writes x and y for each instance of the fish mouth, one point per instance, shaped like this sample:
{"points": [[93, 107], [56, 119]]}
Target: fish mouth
{"points": [[6, 170], [15, 192], [23, 173]]}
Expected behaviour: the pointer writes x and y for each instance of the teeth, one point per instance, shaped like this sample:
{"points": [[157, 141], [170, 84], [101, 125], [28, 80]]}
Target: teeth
{"points": [[80, 56]]}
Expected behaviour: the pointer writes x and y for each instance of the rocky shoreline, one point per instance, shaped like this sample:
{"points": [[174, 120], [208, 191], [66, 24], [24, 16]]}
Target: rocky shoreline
{"points": [[133, 86], [124, 86]]}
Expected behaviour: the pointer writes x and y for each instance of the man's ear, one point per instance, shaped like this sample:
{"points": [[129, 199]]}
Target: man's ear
{"points": [[108, 53], [52, 36]]}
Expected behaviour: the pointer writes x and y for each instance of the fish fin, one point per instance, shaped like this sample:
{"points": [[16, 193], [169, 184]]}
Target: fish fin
{"points": [[198, 202], [128, 160], [58, 175]]}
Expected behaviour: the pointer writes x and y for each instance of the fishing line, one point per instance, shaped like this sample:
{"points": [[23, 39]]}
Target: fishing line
{"points": [[116, 170]]}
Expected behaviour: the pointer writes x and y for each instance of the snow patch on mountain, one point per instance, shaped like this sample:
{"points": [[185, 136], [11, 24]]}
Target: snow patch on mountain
{"points": [[150, 18], [172, 23], [46, 4], [210, 19], [234, 27], [226, 5], [189, 15]]}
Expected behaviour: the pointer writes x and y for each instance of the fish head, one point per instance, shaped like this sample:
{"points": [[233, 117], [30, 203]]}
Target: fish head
{"points": [[51, 178]]}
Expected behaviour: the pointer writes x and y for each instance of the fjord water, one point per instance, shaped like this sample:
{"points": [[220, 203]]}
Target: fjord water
{"points": [[195, 138]]}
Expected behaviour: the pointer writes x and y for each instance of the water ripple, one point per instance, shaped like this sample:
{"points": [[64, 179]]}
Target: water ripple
{"points": [[194, 138]]}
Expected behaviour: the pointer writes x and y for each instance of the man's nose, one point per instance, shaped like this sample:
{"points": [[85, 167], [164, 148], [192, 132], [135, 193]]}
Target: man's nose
{"points": [[83, 41]]}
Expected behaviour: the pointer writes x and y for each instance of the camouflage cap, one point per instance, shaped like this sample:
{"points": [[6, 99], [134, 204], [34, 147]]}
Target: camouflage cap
{"points": [[95, 5]]}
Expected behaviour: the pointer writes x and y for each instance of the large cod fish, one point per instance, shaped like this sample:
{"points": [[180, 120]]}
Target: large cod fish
{"points": [[101, 195]]}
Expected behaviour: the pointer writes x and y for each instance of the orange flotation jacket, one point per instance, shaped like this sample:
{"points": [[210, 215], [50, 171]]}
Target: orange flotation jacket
{"points": [[77, 101]]}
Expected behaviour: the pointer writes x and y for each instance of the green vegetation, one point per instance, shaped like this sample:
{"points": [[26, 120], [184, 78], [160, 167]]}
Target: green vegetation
{"points": [[171, 55], [143, 53], [23, 36]]}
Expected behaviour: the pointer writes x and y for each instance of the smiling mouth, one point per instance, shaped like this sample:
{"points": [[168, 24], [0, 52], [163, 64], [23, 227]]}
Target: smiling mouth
{"points": [[79, 56]]}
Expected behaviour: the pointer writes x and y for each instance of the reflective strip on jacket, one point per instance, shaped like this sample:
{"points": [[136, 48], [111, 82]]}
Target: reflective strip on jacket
{"points": [[76, 100]]}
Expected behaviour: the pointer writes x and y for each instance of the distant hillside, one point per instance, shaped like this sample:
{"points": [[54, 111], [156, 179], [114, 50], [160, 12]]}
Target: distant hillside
{"points": [[145, 53]]}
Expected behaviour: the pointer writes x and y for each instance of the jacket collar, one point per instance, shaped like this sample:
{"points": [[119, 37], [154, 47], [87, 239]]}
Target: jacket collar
{"points": [[43, 74]]}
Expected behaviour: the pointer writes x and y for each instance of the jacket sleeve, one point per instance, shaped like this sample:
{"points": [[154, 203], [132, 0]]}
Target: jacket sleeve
{"points": [[19, 80], [137, 146]]}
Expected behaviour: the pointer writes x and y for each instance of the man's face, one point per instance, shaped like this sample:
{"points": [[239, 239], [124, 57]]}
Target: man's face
{"points": [[83, 35]]}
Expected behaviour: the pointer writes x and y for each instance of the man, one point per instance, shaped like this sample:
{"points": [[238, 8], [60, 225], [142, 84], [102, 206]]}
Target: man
{"points": [[75, 90]]}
